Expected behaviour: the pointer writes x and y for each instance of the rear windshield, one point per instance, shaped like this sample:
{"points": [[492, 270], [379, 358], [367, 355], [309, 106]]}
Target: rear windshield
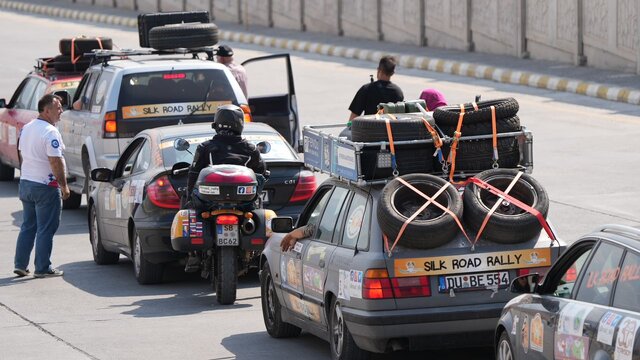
{"points": [[174, 93], [279, 149]]}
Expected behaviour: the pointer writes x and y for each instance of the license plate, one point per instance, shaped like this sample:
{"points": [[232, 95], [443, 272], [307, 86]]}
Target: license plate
{"points": [[228, 235], [265, 197], [478, 281]]}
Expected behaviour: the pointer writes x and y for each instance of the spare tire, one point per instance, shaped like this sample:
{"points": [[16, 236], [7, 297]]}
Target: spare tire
{"points": [[503, 125], [84, 45], [62, 63], [189, 35], [449, 115], [477, 155], [405, 127], [433, 227], [508, 224]]}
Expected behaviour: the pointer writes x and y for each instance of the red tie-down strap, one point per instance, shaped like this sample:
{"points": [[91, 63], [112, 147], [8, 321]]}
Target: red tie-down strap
{"points": [[430, 200], [516, 202], [495, 206]]}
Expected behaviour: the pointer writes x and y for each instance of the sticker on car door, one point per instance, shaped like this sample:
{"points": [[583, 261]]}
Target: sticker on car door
{"points": [[625, 339]]}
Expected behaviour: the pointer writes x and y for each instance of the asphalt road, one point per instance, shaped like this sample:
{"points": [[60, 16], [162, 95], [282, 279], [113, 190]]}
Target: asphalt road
{"points": [[586, 156]]}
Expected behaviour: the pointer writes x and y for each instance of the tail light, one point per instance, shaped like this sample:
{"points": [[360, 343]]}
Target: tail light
{"points": [[305, 187], [110, 125], [378, 285], [247, 112], [227, 220], [161, 194]]}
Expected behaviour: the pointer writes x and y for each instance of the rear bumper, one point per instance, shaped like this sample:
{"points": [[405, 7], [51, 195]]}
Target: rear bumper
{"points": [[156, 242], [424, 328]]}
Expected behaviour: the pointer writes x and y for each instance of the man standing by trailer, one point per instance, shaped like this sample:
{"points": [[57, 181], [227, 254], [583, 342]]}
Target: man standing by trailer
{"points": [[376, 92]]}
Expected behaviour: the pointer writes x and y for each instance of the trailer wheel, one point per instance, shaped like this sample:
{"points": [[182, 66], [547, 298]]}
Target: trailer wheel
{"points": [[449, 115], [432, 227], [189, 35], [508, 224]]}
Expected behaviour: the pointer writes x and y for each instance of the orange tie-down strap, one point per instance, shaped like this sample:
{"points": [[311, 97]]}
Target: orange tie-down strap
{"points": [[454, 146], [496, 205], [74, 58], [486, 186], [437, 141], [430, 200]]}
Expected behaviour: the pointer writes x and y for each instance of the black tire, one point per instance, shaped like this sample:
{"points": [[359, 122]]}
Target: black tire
{"points": [[62, 63], [190, 35], [449, 115], [433, 227], [368, 128], [146, 272], [477, 155], [73, 202], [226, 274], [100, 255], [504, 350], [340, 340], [503, 125], [84, 45], [509, 224], [7, 173], [271, 308]]}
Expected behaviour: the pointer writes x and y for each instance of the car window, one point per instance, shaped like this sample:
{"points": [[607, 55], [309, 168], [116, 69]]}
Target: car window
{"points": [[37, 95], [88, 92], [595, 286], [564, 288], [126, 161], [312, 215], [24, 99], [330, 216], [100, 92], [143, 159], [627, 294], [81, 86], [355, 221]]}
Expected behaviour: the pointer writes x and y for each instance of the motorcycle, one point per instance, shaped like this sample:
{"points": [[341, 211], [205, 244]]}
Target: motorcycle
{"points": [[223, 228]]}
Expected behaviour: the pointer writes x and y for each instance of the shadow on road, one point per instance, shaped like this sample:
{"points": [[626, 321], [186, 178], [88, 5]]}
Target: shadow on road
{"points": [[306, 347]]}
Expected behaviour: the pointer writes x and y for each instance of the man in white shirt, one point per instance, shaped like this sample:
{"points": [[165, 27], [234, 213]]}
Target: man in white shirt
{"points": [[43, 186], [224, 55]]}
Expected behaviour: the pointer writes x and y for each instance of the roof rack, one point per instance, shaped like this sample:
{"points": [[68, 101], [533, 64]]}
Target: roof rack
{"points": [[107, 55], [46, 67]]}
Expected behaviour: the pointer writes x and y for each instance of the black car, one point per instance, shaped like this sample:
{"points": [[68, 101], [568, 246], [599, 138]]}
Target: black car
{"points": [[587, 307], [133, 205]]}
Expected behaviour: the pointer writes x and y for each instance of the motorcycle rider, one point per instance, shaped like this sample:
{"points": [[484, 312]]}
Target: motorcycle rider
{"points": [[227, 147]]}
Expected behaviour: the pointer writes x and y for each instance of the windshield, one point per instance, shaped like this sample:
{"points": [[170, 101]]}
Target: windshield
{"points": [[279, 150], [174, 93]]}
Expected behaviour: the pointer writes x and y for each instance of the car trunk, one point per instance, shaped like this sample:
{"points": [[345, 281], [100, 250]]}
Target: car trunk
{"points": [[281, 184]]}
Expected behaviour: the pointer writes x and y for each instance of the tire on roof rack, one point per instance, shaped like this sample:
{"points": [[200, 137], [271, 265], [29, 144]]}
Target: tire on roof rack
{"points": [[84, 45], [369, 129], [63, 63], [189, 35], [433, 227], [449, 115], [508, 224]]}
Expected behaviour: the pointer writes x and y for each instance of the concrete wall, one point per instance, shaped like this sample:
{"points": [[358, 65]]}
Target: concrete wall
{"points": [[599, 33]]}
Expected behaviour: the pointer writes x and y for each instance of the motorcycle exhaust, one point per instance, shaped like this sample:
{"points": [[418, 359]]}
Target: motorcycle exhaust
{"points": [[248, 226]]}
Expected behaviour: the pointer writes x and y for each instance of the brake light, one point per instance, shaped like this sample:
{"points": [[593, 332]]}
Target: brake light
{"points": [[405, 287], [376, 285], [247, 112], [161, 194], [305, 187], [174, 76], [227, 220], [110, 125]]}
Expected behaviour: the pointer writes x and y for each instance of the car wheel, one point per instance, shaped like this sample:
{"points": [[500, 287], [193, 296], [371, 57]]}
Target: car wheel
{"points": [[509, 224], [432, 227], [146, 272], [340, 340], [271, 308], [7, 173], [189, 35], [504, 351], [73, 202], [101, 256]]}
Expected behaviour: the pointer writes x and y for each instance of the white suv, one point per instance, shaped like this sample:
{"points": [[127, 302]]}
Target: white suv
{"points": [[127, 92]]}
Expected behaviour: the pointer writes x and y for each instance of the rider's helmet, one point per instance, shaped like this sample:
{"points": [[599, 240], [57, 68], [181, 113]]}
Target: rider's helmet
{"points": [[228, 119]]}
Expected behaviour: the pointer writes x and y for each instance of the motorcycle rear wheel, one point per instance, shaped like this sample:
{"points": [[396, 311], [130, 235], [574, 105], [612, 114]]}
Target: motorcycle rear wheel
{"points": [[226, 274]]}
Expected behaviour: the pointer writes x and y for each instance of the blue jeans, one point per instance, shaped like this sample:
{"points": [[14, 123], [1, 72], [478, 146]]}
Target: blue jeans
{"points": [[42, 209]]}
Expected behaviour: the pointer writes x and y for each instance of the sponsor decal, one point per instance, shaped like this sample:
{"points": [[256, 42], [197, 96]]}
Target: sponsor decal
{"points": [[607, 327], [316, 253], [293, 273], [537, 334], [625, 339], [343, 288], [118, 205], [312, 279], [465, 263], [524, 334], [570, 347], [246, 190], [12, 134], [350, 284], [354, 223], [311, 311], [139, 191], [209, 190], [572, 319], [298, 247], [55, 144], [175, 109], [514, 327]]}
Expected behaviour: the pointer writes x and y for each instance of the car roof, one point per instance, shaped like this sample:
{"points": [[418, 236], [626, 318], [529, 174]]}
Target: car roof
{"points": [[203, 128], [155, 63], [621, 234]]}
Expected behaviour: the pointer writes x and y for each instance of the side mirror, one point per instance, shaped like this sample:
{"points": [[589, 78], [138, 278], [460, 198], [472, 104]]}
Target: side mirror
{"points": [[525, 284], [66, 98], [101, 175], [282, 224], [264, 147], [179, 167], [181, 144], [3, 103]]}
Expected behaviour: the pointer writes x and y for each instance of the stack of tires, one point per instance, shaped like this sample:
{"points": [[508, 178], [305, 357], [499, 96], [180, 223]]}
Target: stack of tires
{"points": [[71, 57], [434, 226], [477, 155]]}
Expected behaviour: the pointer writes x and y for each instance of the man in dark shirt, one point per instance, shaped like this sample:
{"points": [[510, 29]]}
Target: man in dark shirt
{"points": [[374, 93]]}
